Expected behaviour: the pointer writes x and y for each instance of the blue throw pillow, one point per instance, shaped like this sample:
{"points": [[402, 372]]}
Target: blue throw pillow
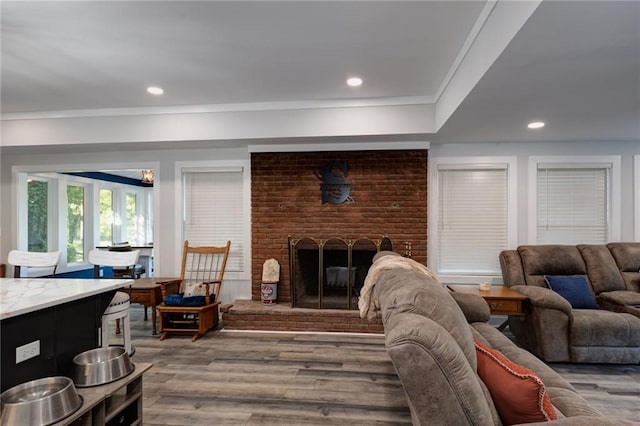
{"points": [[574, 288], [180, 300]]}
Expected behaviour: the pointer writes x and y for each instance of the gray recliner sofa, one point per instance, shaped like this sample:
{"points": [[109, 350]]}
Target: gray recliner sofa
{"points": [[430, 333], [555, 331], [614, 273]]}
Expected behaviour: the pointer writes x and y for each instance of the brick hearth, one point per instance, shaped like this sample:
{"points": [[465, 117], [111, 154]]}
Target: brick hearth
{"points": [[253, 315]]}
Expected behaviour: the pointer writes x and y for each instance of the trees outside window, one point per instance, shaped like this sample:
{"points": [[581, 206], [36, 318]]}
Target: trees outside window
{"points": [[75, 224], [106, 217], [132, 218], [38, 215]]}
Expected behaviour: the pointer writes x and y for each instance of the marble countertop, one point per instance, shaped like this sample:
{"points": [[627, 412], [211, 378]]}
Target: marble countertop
{"points": [[23, 295]]}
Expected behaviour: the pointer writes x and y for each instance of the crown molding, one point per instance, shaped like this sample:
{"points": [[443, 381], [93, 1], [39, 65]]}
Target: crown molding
{"points": [[232, 107], [355, 146]]}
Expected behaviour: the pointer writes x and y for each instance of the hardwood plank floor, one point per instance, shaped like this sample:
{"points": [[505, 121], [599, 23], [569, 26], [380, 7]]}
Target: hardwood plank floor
{"points": [[253, 378]]}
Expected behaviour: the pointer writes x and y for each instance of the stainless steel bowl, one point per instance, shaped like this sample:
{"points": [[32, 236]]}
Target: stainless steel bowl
{"points": [[100, 366], [40, 402]]}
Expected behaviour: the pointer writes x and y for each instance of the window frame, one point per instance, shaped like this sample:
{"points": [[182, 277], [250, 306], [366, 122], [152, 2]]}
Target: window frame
{"points": [[182, 167], [57, 227], [614, 195], [470, 163], [52, 213]]}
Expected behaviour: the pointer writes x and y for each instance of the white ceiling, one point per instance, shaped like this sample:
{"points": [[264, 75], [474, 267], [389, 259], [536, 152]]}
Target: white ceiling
{"points": [[575, 65]]}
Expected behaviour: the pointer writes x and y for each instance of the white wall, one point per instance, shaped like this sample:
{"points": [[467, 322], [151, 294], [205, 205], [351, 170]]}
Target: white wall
{"points": [[524, 150]]}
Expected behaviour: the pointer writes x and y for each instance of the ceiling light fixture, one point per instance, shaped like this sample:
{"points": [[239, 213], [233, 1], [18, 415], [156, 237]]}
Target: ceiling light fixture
{"points": [[535, 125], [154, 90], [354, 82]]}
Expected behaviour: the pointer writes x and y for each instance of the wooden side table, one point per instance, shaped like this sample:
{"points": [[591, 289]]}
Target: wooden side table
{"points": [[148, 292], [501, 300]]}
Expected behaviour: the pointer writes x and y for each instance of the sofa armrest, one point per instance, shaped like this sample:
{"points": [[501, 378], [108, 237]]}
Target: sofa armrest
{"points": [[543, 298], [620, 301], [621, 297], [545, 328], [439, 380], [474, 307]]}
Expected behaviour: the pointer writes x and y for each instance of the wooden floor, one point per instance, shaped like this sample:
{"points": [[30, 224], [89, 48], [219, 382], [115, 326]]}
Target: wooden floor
{"points": [[248, 378]]}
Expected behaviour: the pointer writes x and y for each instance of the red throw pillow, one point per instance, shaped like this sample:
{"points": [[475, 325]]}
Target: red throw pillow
{"points": [[517, 392]]}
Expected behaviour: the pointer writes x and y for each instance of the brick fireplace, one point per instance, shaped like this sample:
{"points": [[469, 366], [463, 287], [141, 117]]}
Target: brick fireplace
{"points": [[388, 198]]}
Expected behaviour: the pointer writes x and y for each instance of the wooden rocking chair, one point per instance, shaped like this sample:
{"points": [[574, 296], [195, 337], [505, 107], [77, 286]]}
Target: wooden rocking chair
{"points": [[195, 308]]}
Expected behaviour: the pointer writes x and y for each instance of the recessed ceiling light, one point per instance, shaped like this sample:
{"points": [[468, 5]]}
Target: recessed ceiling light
{"points": [[535, 124], [354, 81], [154, 90]]}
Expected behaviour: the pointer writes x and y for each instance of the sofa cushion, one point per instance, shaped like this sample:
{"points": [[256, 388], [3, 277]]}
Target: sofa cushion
{"points": [[604, 329], [601, 268], [574, 288], [518, 393], [627, 257], [181, 300], [474, 307], [538, 261]]}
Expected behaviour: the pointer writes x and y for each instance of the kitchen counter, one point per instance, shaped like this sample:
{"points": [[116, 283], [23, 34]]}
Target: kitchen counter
{"points": [[45, 322], [24, 295]]}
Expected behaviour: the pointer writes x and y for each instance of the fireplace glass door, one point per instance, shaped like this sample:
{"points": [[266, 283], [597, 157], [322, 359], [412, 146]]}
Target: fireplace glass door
{"points": [[328, 274]]}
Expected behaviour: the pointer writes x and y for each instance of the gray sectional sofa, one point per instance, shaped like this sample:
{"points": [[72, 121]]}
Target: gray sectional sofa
{"points": [[430, 339], [556, 331]]}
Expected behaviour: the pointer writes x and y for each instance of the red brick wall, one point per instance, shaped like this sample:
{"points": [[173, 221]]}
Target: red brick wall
{"points": [[389, 199]]}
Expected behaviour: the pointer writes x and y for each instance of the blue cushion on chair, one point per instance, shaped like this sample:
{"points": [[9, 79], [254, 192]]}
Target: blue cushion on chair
{"points": [[574, 288], [180, 300]]}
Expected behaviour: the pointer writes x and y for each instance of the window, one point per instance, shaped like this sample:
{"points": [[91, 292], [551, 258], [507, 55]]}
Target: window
{"points": [[131, 203], [72, 214], [474, 215], [213, 211], [106, 217], [38, 215], [572, 205], [574, 200], [75, 224]]}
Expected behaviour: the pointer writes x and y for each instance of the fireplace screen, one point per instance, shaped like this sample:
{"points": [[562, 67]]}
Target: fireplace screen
{"points": [[328, 274]]}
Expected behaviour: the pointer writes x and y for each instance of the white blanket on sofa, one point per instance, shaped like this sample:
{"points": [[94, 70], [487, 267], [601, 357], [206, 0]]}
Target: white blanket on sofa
{"points": [[367, 303]]}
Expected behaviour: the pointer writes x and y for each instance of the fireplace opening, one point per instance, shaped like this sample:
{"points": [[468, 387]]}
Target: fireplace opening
{"points": [[328, 274]]}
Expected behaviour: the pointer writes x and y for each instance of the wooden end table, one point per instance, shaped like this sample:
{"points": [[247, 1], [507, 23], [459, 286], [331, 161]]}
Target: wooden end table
{"points": [[501, 300], [148, 292]]}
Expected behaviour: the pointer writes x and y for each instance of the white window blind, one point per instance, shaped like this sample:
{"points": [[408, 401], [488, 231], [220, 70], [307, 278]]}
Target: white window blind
{"points": [[472, 221], [213, 212], [572, 204]]}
